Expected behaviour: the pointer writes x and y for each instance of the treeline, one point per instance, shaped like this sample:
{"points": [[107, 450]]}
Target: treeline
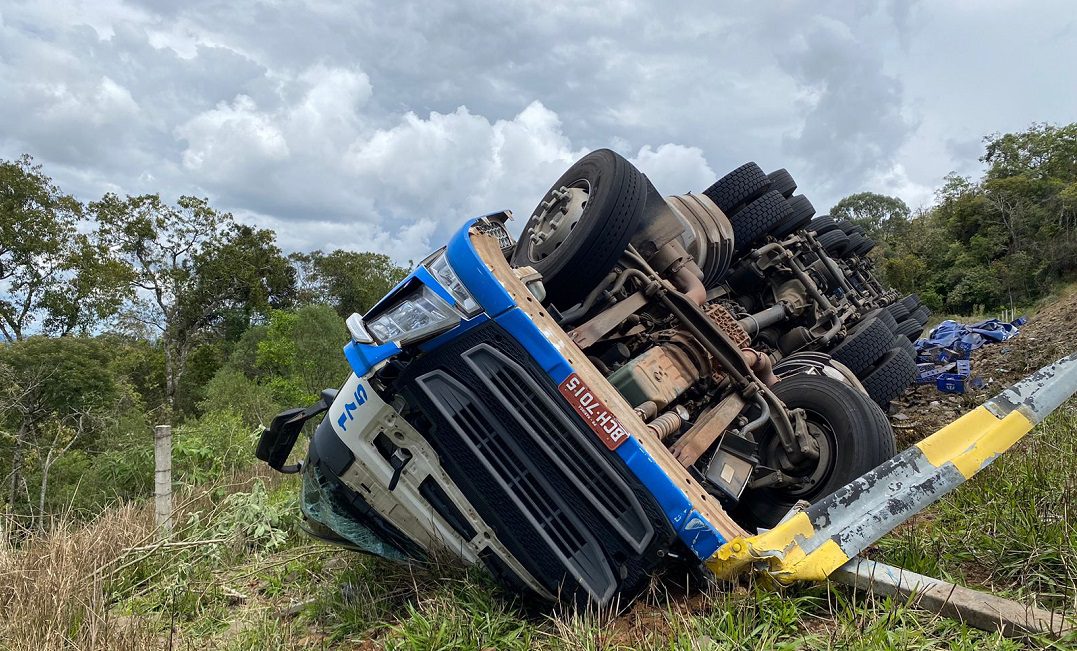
{"points": [[129, 311], [1001, 241]]}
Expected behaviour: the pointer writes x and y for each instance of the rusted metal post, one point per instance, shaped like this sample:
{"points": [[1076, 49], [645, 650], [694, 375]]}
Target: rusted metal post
{"points": [[162, 479]]}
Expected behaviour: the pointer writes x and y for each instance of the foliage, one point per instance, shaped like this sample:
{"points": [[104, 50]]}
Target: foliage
{"points": [[206, 449], [195, 271], [284, 363], [349, 281], [254, 520], [878, 214], [1042, 151], [55, 394], [1001, 241], [304, 347], [53, 279], [230, 390]]}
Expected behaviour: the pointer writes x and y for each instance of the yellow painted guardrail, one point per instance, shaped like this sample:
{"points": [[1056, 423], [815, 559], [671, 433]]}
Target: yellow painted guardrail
{"points": [[811, 544]]}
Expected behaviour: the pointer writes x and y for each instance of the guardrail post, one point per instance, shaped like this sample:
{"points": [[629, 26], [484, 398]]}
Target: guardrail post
{"points": [[982, 610], [162, 479]]}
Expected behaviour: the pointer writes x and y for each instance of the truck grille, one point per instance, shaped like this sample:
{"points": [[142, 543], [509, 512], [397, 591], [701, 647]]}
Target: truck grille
{"points": [[563, 505], [557, 435], [531, 492]]}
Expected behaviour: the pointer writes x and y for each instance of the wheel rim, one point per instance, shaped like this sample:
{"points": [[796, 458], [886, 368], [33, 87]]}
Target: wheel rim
{"points": [[814, 473], [556, 219]]}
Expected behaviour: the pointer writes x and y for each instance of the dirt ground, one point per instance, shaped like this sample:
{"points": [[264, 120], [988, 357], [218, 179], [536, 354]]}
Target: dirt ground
{"points": [[1050, 333]]}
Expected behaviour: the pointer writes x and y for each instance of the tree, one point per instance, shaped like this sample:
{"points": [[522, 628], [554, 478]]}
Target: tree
{"points": [[55, 393], [281, 364], [195, 272], [1043, 151], [879, 215], [305, 347], [1001, 240], [54, 279], [347, 280]]}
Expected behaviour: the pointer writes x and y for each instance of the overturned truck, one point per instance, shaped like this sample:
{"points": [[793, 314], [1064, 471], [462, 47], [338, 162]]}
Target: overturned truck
{"points": [[637, 385]]}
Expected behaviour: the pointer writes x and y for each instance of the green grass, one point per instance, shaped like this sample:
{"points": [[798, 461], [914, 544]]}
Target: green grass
{"points": [[1011, 527], [1008, 530]]}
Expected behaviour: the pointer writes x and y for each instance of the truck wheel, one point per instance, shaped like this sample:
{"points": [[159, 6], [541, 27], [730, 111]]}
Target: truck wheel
{"points": [[904, 343], [847, 226], [856, 240], [921, 314], [798, 219], [865, 344], [891, 374], [782, 182], [583, 224], [738, 187], [823, 224], [757, 219], [909, 328], [866, 246], [911, 302], [898, 310], [834, 241], [854, 436], [883, 316]]}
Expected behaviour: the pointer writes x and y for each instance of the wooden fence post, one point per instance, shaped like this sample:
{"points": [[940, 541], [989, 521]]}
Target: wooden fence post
{"points": [[162, 479]]}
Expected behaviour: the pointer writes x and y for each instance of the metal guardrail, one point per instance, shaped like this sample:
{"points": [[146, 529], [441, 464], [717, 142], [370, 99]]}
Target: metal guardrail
{"points": [[811, 544]]}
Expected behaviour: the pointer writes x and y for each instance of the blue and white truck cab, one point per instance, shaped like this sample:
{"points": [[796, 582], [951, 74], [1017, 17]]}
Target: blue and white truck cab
{"points": [[575, 411]]}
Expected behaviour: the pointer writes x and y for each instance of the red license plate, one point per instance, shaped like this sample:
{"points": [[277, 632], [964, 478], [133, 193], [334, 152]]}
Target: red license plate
{"points": [[593, 411]]}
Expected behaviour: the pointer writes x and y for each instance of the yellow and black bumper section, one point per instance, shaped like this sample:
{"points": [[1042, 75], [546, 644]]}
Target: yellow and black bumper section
{"points": [[811, 544]]}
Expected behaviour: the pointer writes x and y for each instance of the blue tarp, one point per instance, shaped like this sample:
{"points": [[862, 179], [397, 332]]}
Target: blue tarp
{"points": [[949, 334], [948, 346]]}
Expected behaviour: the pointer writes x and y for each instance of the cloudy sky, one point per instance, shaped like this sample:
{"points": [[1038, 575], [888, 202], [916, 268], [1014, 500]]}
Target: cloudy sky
{"points": [[381, 125]]}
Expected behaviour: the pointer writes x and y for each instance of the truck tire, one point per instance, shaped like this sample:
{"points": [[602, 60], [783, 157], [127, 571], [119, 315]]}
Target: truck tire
{"points": [[823, 224], [865, 246], [834, 241], [799, 218], [904, 343], [856, 240], [757, 219], [847, 226], [737, 188], [883, 316], [921, 314], [782, 182], [572, 262], [898, 310], [911, 302], [854, 436], [909, 328], [889, 376], [866, 343]]}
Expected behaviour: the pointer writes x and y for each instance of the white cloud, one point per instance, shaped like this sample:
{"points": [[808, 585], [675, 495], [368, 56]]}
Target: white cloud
{"points": [[226, 139], [384, 125], [675, 169]]}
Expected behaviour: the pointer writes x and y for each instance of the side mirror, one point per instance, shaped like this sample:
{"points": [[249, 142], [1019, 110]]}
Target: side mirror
{"points": [[277, 442]]}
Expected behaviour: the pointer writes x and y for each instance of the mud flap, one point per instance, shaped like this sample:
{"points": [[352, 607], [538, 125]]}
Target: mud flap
{"points": [[813, 543]]}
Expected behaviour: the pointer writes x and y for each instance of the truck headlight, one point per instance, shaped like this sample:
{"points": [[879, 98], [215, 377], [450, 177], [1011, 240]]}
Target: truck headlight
{"points": [[438, 265], [416, 314]]}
